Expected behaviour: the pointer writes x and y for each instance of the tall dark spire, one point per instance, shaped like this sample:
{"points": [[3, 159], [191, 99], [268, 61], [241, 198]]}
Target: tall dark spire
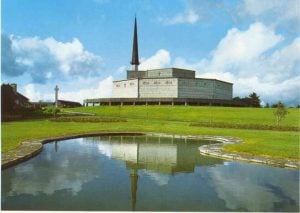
{"points": [[135, 50]]}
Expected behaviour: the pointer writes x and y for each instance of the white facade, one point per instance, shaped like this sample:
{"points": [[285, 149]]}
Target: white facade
{"points": [[158, 88], [170, 83], [125, 89]]}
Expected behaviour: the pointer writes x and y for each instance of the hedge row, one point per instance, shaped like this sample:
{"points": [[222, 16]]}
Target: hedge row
{"points": [[86, 119], [245, 126]]}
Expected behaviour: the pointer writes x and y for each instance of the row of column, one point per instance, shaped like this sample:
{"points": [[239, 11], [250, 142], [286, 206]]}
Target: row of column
{"points": [[121, 103]]}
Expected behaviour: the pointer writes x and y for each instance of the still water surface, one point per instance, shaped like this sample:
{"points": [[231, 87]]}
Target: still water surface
{"points": [[146, 174]]}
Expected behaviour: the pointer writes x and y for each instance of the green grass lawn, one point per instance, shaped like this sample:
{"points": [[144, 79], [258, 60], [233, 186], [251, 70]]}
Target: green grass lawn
{"points": [[197, 114], [175, 120]]}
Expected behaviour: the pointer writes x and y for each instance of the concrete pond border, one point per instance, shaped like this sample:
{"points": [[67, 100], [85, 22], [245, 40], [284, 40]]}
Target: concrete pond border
{"points": [[29, 149]]}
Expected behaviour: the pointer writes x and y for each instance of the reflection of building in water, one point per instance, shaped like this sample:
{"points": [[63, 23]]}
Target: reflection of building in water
{"points": [[158, 154], [134, 180], [166, 155]]}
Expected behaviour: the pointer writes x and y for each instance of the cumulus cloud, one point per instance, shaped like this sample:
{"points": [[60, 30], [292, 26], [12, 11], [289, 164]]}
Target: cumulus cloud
{"points": [[276, 12], [160, 59], [30, 91], [45, 59], [250, 60], [103, 89], [244, 46], [8, 62]]}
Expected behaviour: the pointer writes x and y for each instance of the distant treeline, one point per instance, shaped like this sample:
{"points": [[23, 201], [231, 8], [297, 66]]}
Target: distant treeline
{"points": [[253, 100]]}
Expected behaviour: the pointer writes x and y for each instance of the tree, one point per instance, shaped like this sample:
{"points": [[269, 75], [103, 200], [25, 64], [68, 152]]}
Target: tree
{"points": [[267, 105], [7, 99], [280, 112], [237, 98], [254, 100]]}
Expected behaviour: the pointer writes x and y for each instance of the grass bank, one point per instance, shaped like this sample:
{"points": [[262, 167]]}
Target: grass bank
{"points": [[232, 115], [174, 120]]}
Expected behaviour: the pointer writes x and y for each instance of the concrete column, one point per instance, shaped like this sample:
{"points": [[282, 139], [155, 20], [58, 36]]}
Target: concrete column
{"points": [[93, 104], [56, 96], [185, 103], [172, 103], [121, 103], [109, 103]]}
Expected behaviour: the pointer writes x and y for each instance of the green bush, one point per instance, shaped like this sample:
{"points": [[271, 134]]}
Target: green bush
{"points": [[51, 110]]}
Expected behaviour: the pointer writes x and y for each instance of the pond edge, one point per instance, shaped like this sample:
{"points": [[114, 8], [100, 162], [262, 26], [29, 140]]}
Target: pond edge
{"points": [[29, 149]]}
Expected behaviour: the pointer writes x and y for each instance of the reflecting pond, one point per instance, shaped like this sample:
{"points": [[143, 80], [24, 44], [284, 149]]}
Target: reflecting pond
{"points": [[145, 174]]}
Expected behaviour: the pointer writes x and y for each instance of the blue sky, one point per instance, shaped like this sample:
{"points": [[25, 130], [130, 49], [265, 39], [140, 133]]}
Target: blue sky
{"points": [[82, 45]]}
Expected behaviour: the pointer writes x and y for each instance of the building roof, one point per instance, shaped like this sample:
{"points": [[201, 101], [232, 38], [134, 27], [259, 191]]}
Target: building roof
{"points": [[16, 95]]}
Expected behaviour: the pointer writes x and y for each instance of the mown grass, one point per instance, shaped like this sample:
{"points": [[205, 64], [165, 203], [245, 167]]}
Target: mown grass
{"points": [[262, 116], [173, 120]]}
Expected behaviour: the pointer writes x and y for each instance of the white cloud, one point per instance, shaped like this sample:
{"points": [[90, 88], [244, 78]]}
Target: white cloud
{"points": [[102, 90], [32, 93], [275, 12], [195, 11], [48, 58], [284, 10], [189, 16], [244, 46], [252, 61], [160, 59]]}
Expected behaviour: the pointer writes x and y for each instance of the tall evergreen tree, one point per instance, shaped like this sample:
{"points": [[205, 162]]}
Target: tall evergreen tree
{"points": [[254, 100]]}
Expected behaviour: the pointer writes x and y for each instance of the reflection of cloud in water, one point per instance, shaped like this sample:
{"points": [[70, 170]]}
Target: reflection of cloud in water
{"points": [[159, 178], [254, 188], [105, 148], [60, 171]]}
